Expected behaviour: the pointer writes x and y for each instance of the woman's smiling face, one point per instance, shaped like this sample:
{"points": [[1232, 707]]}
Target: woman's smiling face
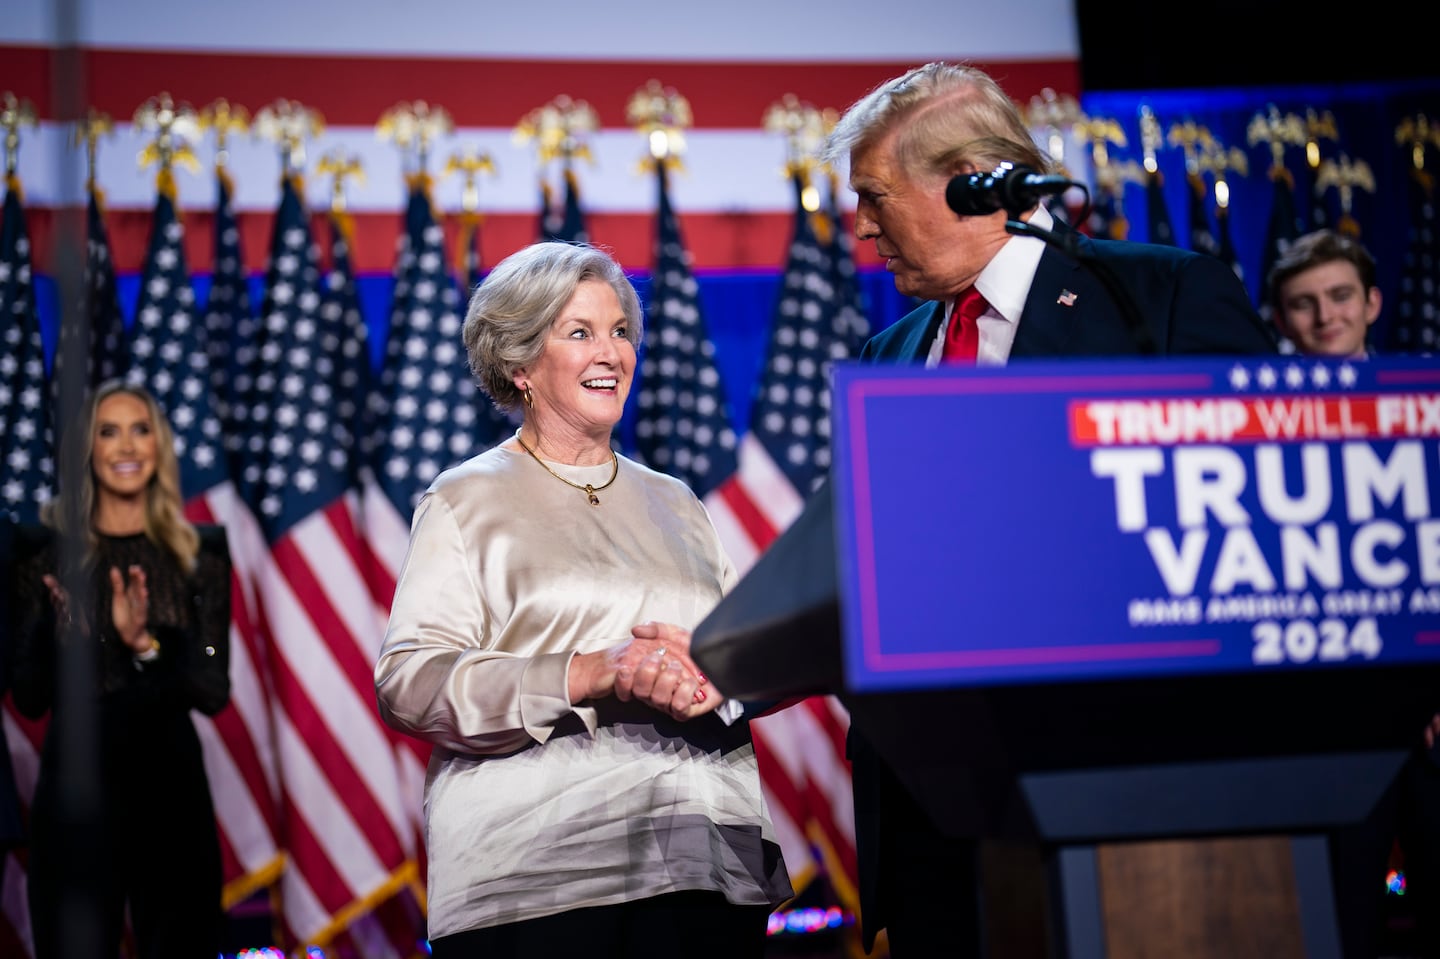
{"points": [[584, 373], [123, 450]]}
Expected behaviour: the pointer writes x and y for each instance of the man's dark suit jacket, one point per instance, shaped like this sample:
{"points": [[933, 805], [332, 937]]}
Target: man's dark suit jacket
{"points": [[1191, 302], [1192, 305]]}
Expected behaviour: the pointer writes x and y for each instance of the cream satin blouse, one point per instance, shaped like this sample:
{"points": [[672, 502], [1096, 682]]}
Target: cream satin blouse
{"points": [[534, 806]]}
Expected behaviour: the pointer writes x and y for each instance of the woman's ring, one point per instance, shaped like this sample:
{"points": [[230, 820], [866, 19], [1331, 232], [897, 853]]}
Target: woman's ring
{"points": [[662, 650]]}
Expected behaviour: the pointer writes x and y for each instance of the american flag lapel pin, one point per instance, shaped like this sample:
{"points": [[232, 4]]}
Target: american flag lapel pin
{"points": [[1066, 298]]}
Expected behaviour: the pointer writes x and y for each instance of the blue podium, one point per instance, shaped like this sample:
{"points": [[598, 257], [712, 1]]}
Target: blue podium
{"points": [[1087, 603]]}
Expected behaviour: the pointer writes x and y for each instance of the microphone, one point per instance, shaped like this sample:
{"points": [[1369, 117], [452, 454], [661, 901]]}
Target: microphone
{"points": [[1008, 187]]}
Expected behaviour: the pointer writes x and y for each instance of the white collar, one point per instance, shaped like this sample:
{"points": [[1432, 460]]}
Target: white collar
{"points": [[1005, 281]]}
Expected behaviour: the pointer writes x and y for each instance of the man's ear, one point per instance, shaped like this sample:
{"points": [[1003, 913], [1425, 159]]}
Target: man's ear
{"points": [[1372, 305]]}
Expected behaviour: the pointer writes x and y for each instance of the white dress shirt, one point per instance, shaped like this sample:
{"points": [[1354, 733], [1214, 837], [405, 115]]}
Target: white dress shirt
{"points": [[1005, 284]]}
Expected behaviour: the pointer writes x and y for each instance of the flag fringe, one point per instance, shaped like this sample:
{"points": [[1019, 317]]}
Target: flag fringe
{"points": [[240, 888], [835, 868], [405, 878], [849, 896]]}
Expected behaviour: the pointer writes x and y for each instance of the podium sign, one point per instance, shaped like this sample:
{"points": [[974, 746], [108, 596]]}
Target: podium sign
{"points": [[1122, 519]]}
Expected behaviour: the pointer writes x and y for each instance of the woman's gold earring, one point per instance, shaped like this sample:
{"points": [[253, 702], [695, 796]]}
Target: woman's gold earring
{"points": [[529, 397]]}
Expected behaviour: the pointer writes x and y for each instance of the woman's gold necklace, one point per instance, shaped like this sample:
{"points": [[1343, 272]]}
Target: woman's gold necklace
{"points": [[589, 490]]}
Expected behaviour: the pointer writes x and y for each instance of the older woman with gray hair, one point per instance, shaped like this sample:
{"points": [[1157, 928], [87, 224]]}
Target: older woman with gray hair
{"points": [[586, 783]]}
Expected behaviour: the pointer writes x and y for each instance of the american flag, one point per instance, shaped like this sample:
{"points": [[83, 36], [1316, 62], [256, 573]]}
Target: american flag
{"points": [[249, 801], [1319, 216], [572, 226], [347, 822], [394, 923], [26, 450], [1201, 239], [169, 355], [424, 413], [102, 335], [428, 415], [230, 323], [682, 425], [426, 404], [549, 223], [344, 333], [851, 322], [171, 358], [1226, 251], [493, 425], [1416, 327], [1281, 230], [1158, 214], [791, 414], [1107, 215], [110, 350], [568, 223], [782, 458], [471, 267], [26, 431]]}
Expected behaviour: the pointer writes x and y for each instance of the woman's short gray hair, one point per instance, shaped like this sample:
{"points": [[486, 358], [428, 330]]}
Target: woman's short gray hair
{"points": [[951, 114], [511, 311]]}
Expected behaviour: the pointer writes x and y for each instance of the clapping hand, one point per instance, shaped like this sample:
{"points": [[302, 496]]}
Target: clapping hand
{"points": [[130, 606]]}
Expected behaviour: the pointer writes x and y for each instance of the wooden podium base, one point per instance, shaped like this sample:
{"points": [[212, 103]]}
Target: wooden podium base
{"points": [[1179, 899], [1236, 898]]}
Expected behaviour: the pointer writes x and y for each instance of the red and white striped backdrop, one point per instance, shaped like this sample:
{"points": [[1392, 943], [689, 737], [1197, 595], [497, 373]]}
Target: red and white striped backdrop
{"points": [[488, 68]]}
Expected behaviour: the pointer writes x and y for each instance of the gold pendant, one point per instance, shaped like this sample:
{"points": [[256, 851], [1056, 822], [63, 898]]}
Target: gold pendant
{"points": [[594, 500]]}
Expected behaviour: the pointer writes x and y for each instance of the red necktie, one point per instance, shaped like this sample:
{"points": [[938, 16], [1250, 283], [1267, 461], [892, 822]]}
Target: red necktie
{"points": [[962, 338]]}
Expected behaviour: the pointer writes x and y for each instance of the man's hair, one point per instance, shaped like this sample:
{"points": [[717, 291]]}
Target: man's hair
{"points": [[949, 115], [1316, 249]]}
